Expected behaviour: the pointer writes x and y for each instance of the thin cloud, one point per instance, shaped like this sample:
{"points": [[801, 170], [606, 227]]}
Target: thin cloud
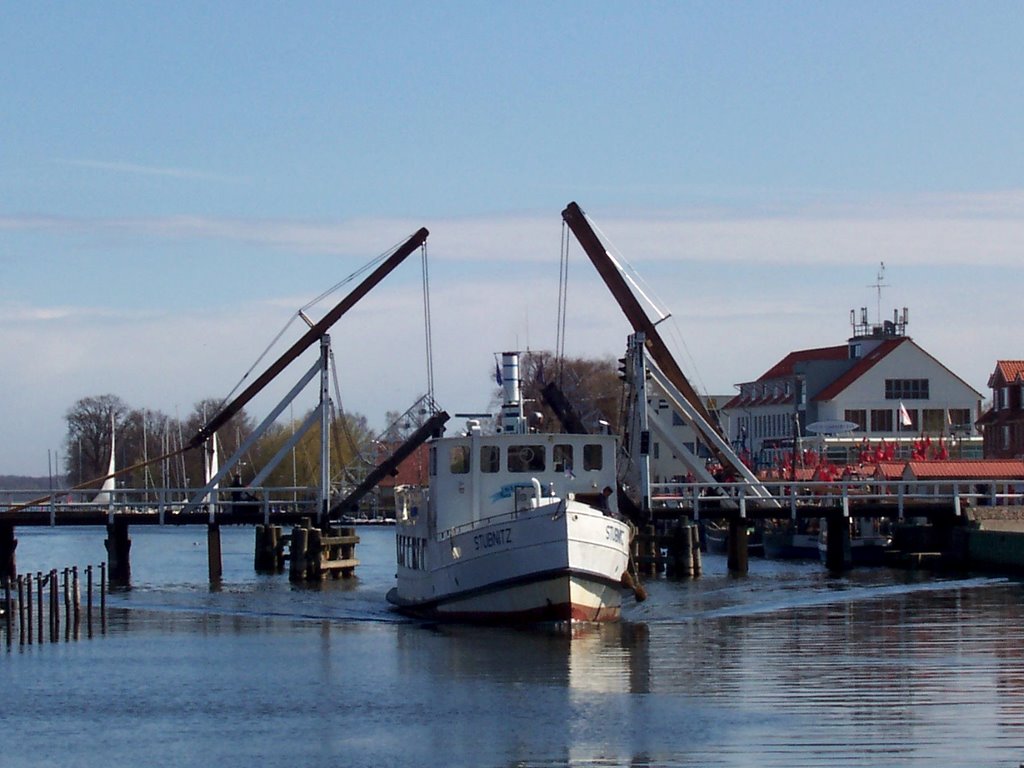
{"points": [[149, 170], [981, 229]]}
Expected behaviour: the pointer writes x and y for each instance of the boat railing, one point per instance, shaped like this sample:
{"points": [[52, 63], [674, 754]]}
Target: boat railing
{"points": [[695, 498]]}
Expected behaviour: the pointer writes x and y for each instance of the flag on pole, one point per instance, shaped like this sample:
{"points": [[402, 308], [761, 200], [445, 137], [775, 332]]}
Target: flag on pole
{"points": [[904, 416]]}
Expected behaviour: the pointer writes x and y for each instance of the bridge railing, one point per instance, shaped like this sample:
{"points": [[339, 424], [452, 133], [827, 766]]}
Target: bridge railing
{"points": [[164, 503], [787, 496]]}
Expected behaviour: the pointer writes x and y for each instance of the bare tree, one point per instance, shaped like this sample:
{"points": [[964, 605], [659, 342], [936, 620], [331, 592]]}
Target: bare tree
{"points": [[88, 441]]}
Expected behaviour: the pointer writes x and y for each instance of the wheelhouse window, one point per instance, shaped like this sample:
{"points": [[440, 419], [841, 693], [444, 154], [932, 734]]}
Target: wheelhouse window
{"points": [[592, 457], [490, 458], [459, 459], [561, 458], [526, 458]]}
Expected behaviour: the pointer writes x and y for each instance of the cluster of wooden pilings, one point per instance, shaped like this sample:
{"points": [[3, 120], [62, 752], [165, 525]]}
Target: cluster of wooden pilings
{"points": [[32, 605], [312, 553], [674, 551]]}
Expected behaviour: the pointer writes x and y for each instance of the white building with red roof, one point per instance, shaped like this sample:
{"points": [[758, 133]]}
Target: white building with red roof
{"points": [[879, 388]]}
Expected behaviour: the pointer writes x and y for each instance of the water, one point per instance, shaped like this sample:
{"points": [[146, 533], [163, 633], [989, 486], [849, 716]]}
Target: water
{"points": [[784, 667]]}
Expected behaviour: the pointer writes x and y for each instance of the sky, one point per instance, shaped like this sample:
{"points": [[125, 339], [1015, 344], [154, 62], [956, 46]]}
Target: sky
{"points": [[178, 179]]}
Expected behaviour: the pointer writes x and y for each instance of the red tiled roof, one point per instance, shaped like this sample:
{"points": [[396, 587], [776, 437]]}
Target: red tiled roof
{"points": [[967, 469], [865, 364], [889, 470], [787, 365], [1007, 372]]}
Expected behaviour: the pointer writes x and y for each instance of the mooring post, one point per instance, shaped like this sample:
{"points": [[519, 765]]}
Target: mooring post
{"points": [[39, 604], [695, 545], [67, 603], [28, 605], [88, 600], [314, 555], [76, 600], [737, 546], [213, 552], [54, 608], [8, 606], [21, 610], [8, 564], [837, 548], [103, 598], [119, 545], [297, 554]]}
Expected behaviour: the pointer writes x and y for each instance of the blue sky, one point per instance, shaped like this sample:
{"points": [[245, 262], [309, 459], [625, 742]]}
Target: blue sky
{"points": [[179, 178]]}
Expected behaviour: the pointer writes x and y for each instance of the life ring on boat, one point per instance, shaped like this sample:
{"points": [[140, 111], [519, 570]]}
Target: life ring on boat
{"points": [[525, 455]]}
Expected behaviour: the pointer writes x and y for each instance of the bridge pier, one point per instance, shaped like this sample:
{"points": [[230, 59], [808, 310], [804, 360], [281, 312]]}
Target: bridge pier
{"points": [[737, 546], [838, 556], [214, 565], [118, 545], [8, 564]]}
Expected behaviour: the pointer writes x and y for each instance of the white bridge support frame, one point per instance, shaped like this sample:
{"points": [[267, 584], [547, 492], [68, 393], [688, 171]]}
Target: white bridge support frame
{"points": [[642, 370], [322, 411]]}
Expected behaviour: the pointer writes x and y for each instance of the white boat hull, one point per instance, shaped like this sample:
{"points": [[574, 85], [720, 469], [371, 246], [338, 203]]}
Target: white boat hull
{"points": [[563, 561]]}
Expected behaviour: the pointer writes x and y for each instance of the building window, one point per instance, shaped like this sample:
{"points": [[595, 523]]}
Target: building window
{"points": [[933, 420], [1006, 436], [906, 389], [881, 420], [858, 417], [677, 420], [960, 419], [914, 421]]}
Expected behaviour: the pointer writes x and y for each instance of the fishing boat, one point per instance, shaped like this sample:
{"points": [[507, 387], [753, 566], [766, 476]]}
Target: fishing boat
{"points": [[516, 526]]}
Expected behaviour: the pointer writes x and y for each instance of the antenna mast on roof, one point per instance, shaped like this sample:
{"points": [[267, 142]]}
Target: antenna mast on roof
{"points": [[878, 286]]}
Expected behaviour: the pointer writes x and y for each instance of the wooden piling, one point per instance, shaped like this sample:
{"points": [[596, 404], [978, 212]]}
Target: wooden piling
{"points": [[76, 601], [8, 611], [28, 606], [695, 545], [119, 546], [215, 566], [297, 554], [21, 610], [314, 555], [103, 598], [40, 583], [738, 561], [837, 547], [8, 563], [54, 608], [88, 600], [67, 591], [267, 557]]}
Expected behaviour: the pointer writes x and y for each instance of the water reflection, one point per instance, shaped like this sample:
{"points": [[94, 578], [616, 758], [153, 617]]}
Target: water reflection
{"points": [[785, 667]]}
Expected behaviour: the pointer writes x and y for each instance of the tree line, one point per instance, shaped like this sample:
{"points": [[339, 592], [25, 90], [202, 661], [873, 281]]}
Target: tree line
{"points": [[140, 436]]}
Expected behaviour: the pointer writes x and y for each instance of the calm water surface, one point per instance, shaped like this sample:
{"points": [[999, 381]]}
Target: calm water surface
{"points": [[783, 667]]}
